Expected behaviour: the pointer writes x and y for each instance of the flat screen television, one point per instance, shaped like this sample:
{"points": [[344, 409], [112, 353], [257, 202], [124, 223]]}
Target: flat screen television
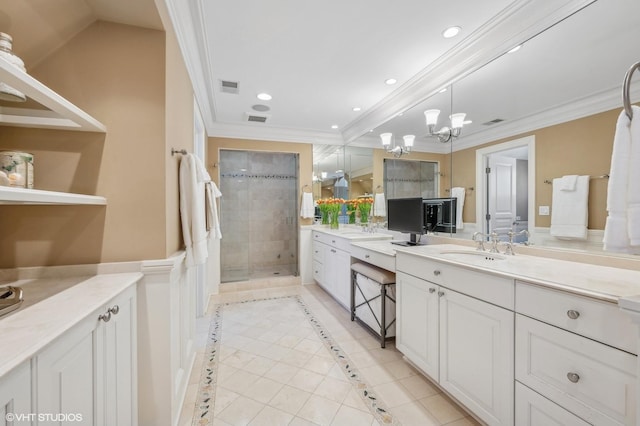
{"points": [[440, 214], [406, 215]]}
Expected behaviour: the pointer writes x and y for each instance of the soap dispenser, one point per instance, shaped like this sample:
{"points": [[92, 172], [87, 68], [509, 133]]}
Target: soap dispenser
{"points": [[8, 93]]}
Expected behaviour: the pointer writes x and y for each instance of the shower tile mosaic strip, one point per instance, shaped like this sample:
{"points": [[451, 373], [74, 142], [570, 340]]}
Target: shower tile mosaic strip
{"points": [[247, 315]]}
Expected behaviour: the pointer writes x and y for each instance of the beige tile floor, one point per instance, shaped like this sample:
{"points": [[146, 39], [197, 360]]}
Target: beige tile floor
{"points": [[274, 370]]}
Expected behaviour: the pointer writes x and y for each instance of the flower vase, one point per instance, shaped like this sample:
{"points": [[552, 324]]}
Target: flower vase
{"points": [[334, 220], [352, 217]]}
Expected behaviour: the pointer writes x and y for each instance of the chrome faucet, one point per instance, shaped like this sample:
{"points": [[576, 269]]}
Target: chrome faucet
{"points": [[495, 239], [480, 241], [509, 250]]}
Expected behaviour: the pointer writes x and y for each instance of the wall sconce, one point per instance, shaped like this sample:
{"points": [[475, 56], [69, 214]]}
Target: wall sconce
{"points": [[445, 134], [397, 150]]}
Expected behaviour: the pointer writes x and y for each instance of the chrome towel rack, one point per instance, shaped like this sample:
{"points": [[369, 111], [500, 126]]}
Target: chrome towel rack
{"points": [[549, 181], [625, 89]]}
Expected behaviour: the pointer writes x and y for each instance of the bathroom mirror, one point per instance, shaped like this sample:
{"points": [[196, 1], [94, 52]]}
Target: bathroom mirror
{"points": [[561, 90], [333, 162]]}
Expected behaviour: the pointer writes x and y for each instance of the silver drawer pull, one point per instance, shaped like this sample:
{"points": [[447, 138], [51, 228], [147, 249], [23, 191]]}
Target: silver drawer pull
{"points": [[573, 314], [333, 241], [115, 309], [441, 293], [333, 251], [573, 377], [436, 272], [432, 290], [366, 256], [105, 317]]}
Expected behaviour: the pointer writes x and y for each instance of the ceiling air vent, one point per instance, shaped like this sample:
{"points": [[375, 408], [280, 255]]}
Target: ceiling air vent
{"points": [[230, 86], [494, 121], [256, 118]]}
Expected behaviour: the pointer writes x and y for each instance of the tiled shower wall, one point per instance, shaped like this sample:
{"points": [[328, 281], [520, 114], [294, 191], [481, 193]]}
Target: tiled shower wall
{"points": [[258, 214], [410, 178]]}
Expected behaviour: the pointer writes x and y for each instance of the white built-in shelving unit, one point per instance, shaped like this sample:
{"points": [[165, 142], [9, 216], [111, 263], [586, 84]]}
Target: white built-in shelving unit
{"points": [[59, 114]]}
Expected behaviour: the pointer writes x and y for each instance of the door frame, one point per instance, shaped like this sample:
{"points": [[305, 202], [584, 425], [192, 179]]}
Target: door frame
{"points": [[481, 181]]}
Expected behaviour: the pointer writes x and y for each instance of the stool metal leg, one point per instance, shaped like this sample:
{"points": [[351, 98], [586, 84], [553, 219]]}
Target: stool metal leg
{"points": [[383, 327], [353, 295]]}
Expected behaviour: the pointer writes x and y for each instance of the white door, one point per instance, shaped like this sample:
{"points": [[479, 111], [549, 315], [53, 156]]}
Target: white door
{"points": [[502, 194], [476, 356]]}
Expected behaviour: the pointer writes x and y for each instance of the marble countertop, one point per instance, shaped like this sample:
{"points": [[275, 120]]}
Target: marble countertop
{"points": [[352, 233], [601, 282], [27, 331]]}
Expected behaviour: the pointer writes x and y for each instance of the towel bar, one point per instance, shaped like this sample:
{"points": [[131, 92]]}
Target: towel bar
{"points": [[625, 90], [547, 181]]}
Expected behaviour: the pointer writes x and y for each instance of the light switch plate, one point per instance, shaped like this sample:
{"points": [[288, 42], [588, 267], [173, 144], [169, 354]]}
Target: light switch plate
{"points": [[543, 210]]}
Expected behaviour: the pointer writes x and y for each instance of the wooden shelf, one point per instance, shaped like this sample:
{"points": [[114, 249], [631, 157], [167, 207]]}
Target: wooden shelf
{"points": [[11, 195], [61, 113]]}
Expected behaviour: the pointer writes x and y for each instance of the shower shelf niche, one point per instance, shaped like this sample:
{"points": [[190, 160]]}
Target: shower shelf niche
{"points": [[53, 112]]}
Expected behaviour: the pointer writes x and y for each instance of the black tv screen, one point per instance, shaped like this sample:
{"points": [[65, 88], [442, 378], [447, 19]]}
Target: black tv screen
{"points": [[405, 215]]}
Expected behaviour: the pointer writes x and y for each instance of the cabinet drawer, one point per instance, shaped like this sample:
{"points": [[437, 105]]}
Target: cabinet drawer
{"points": [[321, 237], [487, 287], [318, 252], [592, 380], [598, 320], [332, 240], [380, 260], [533, 409]]}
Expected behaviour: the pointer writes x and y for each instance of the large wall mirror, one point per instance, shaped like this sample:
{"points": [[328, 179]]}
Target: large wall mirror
{"points": [[542, 112]]}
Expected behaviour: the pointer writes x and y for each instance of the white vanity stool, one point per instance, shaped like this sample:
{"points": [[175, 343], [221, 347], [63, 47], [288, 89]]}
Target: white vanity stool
{"points": [[373, 300]]}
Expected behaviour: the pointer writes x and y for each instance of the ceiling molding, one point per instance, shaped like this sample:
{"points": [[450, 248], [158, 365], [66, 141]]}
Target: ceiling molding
{"points": [[269, 133], [187, 18], [519, 22], [577, 108]]}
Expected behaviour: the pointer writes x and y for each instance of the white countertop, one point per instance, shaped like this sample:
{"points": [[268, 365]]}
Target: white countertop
{"points": [[602, 282], [381, 246], [352, 233], [26, 332]]}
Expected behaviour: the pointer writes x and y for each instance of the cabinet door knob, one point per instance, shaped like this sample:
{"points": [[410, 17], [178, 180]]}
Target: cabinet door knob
{"points": [[114, 309], [573, 314], [441, 293], [105, 317], [573, 377], [432, 290], [436, 272]]}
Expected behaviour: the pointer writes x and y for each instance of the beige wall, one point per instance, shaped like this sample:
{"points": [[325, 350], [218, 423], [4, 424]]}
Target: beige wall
{"points": [[117, 74], [580, 147], [304, 150]]}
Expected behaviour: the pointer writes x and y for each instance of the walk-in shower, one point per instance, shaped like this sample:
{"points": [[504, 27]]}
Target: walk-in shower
{"points": [[259, 217]]}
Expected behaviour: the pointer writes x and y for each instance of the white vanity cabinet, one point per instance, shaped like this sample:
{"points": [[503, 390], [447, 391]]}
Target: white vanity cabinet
{"points": [[90, 371], [568, 351], [332, 266], [15, 394], [464, 343]]}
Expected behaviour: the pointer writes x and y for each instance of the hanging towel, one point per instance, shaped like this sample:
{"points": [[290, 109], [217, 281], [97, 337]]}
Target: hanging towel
{"points": [[192, 210], [379, 205], [213, 220], [623, 200], [569, 210], [568, 183], [458, 193], [307, 210]]}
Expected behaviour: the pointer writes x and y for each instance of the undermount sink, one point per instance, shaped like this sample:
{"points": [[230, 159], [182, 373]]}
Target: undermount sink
{"points": [[474, 253]]}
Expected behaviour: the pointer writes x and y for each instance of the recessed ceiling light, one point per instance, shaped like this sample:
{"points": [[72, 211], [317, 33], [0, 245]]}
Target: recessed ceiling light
{"points": [[264, 96], [515, 49], [356, 109], [390, 81], [451, 32], [335, 126]]}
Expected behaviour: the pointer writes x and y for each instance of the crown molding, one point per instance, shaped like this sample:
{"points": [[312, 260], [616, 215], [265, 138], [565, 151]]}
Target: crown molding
{"points": [[265, 132], [575, 109], [517, 23], [190, 29]]}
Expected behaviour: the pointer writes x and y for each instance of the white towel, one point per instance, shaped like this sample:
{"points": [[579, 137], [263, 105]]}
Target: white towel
{"points": [[307, 209], [192, 210], [212, 219], [569, 210], [623, 220], [568, 183], [379, 205], [458, 193]]}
